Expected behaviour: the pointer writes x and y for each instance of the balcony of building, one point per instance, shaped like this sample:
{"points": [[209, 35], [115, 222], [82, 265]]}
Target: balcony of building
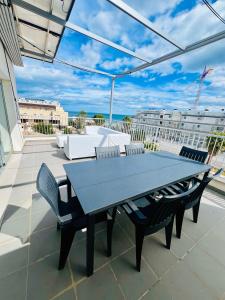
{"points": [[194, 268]]}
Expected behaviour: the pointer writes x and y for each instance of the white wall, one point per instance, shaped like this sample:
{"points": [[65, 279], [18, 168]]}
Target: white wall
{"points": [[9, 84]]}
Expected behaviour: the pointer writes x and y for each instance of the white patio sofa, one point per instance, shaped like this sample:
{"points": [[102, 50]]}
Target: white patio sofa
{"points": [[61, 139], [80, 146]]}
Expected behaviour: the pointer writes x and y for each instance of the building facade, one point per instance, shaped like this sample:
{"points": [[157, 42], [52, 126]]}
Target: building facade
{"points": [[191, 120], [42, 111], [11, 139]]}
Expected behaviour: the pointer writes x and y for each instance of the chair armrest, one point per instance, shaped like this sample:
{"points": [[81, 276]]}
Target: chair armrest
{"points": [[64, 220], [217, 174], [136, 210], [62, 182]]}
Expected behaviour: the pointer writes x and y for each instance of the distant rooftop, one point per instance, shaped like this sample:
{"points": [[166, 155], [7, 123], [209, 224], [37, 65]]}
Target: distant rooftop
{"points": [[186, 112], [38, 102]]}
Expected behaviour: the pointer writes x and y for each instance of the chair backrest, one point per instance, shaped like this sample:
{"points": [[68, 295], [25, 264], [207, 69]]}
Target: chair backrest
{"points": [[48, 188], [133, 149], [193, 154], [107, 152], [167, 206]]}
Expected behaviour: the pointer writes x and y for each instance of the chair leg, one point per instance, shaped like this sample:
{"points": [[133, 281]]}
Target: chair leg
{"points": [[67, 236], [195, 210], [168, 232], [110, 224], [58, 226], [179, 221], [69, 194], [139, 237]]}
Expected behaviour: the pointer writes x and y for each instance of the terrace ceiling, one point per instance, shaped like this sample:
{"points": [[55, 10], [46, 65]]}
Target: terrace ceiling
{"points": [[40, 25], [42, 32]]}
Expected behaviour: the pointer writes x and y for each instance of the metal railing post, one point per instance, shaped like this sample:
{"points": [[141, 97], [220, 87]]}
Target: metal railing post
{"points": [[111, 101]]}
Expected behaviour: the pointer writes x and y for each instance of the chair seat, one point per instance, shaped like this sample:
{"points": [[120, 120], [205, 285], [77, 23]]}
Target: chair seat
{"points": [[79, 219]]}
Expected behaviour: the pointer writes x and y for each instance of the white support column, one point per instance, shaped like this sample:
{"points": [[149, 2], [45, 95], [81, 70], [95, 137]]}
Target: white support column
{"points": [[111, 100]]}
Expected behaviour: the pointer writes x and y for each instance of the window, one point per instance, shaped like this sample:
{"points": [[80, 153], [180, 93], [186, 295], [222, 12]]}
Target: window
{"points": [[198, 126], [5, 139], [57, 121], [185, 117], [161, 116]]}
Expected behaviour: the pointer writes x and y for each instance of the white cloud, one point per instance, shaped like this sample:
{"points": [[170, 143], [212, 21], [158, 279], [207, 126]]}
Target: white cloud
{"points": [[44, 80], [150, 8]]}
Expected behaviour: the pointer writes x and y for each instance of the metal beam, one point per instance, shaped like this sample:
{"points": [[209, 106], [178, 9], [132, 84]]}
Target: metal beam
{"points": [[20, 21], [48, 29], [204, 42], [38, 11], [104, 41], [64, 23], [144, 21], [82, 68], [111, 100], [26, 52]]}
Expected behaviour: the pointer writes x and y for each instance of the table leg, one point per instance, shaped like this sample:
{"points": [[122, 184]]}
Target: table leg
{"points": [[68, 189], [90, 244]]}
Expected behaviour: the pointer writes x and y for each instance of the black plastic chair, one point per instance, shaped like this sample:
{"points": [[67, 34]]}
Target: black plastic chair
{"points": [[194, 202], [107, 152], [197, 155], [134, 149], [104, 153], [157, 213], [193, 154], [70, 215]]}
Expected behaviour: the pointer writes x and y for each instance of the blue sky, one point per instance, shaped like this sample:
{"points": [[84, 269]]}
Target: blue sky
{"points": [[172, 84]]}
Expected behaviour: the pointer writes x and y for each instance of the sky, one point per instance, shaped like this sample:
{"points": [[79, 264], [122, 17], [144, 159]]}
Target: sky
{"points": [[169, 85]]}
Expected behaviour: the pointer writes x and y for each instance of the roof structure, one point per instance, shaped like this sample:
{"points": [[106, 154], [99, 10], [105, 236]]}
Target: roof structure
{"points": [[40, 25], [44, 33]]}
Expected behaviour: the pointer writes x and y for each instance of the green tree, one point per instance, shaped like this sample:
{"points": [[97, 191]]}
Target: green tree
{"points": [[80, 121], [43, 128], [127, 119], [99, 119], [82, 114], [151, 146], [215, 144], [67, 130]]}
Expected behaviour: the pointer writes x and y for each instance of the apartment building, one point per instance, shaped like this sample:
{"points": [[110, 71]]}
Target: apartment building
{"points": [[201, 121], [36, 111]]}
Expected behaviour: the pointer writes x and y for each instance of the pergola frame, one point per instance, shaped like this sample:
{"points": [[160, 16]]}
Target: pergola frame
{"points": [[139, 18]]}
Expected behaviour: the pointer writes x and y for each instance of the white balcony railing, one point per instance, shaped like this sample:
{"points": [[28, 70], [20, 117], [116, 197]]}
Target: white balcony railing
{"points": [[153, 137]]}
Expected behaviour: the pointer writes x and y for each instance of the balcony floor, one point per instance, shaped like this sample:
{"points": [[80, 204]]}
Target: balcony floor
{"points": [[29, 244]]}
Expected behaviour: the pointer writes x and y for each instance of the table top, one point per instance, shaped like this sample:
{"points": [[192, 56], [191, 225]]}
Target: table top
{"points": [[101, 184]]}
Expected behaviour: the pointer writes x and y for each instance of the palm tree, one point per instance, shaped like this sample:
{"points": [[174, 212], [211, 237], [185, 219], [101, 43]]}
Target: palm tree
{"points": [[99, 119], [82, 114], [127, 119], [80, 122]]}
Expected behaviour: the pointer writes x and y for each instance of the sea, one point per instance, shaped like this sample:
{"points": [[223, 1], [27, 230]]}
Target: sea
{"points": [[115, 117]]}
